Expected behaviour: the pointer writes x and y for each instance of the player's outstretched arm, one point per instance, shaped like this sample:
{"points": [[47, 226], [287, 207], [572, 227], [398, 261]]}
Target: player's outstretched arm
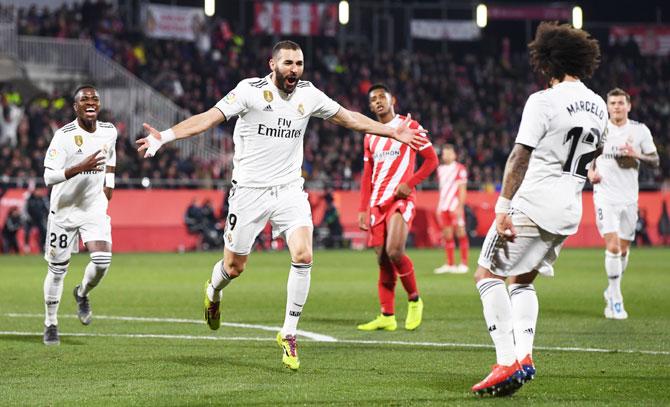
{"points": [[190, 127], [361, 123], [515, 171]]}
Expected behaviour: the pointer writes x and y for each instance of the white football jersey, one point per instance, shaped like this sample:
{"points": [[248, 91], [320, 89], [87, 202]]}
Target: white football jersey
{"points": [[80, 197], [270, 129], [564, 125], [619, 185]]}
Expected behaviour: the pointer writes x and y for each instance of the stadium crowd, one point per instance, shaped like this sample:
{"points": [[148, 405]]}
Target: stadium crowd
{"points": [[471, 100]]}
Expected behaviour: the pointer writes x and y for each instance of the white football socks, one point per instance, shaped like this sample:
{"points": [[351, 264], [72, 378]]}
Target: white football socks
{"points": [[95, 270], [613, 267], [498, 315], [53, 291], [219, 280], [297, 289], [524, 314]]}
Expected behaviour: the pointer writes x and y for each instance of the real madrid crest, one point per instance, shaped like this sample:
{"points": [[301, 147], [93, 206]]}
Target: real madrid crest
{"points": [[301, 109], [267, 95], [78, 140]]}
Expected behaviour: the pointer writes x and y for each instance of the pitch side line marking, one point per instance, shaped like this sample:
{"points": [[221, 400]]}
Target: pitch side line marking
{"points": [[311, 335], [351, 341]]}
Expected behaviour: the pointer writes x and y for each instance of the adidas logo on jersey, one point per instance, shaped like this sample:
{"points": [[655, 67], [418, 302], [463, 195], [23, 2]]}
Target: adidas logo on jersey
{"points": [[79, 151], [268, 108]]}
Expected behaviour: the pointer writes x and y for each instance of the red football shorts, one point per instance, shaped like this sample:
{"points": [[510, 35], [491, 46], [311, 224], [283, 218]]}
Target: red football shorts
{"points": [[379, 219], [452, 218]]}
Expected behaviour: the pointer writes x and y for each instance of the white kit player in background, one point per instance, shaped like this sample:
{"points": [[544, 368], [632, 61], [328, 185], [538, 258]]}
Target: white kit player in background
{"points": [[267, 184], [615, 195], [540, 203], [79, 165]]}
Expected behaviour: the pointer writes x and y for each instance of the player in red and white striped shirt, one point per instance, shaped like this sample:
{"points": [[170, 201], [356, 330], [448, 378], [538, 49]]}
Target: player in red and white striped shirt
{"points": [[453, 178], [387, 195]]}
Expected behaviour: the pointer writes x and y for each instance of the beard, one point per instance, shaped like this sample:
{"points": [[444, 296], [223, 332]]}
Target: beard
{"points": [[282, 82]]}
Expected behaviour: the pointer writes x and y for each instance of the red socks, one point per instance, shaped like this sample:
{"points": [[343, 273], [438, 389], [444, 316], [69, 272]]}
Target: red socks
{"points": [[464, 245], [405, 270], [449, 247], [386, 288]]}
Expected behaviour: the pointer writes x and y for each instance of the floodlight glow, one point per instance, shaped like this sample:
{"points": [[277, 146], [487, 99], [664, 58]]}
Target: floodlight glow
{"points": [[209, 7], [482, 15], [343, 11], [577, 17]]}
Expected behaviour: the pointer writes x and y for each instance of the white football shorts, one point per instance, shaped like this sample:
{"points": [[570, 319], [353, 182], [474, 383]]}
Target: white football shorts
{"points": [[619, 219], [533, 249], [63, 236], [286, 207]]}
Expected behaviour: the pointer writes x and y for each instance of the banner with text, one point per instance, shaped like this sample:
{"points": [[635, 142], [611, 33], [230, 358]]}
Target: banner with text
{"points": [[529, 13], [652, 40], [445, 30], [295, 18], [172, 22]]}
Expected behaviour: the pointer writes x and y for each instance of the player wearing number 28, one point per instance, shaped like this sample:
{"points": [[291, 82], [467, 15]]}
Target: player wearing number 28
{"points": [[79, 164], [561, 132], [272, 114]]}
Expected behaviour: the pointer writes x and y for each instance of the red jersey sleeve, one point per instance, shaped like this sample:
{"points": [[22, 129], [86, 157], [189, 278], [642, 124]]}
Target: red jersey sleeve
{"points": [[430, 161]]}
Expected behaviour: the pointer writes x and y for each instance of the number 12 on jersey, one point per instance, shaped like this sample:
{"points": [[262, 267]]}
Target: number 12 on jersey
{"points": [[577, 138]]}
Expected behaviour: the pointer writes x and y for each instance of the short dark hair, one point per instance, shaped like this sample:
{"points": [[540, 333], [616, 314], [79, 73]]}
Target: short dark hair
{"points": [[80, 87], [285, 44], [448, 146], [379, 86], [619, 92], [560, 50]]}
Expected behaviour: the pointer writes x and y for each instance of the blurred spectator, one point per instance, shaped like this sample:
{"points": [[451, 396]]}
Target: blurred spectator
{"points": [[37, 212], [641, 233], [10, 243], [333, 236], [664, 225]]}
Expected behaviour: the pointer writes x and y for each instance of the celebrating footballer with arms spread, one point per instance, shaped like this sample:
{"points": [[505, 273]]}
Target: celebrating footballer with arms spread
{"points": [[79, 165], [561, 132], [273, 113]]}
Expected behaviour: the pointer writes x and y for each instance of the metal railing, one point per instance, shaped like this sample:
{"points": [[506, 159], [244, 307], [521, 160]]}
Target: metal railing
{"points": [[128, 97]]}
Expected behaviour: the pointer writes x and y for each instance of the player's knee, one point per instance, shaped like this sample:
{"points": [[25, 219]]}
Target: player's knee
{"points": [[58, 270], [395, 254], [234, 267], [303, 256], [101, 260], [613, 247]]}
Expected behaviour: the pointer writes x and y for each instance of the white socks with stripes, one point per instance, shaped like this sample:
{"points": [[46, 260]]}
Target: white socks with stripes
{"points": [[94, 272], [297, 289], [524, 316], [498, 315], [219, 280], [53, 290], [614, 268]]}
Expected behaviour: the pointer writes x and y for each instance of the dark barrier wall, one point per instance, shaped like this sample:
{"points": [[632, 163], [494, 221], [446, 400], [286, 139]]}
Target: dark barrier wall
{"points": [[153, 220]]}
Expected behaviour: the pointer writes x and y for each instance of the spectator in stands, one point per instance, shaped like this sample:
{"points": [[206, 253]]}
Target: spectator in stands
{"points": [[10, 243], [641, 233], [331, 223], [37, 211]]}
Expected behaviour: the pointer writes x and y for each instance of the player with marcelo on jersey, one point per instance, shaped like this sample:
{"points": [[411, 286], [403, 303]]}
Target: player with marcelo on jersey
{"points": [[272, 112], [388, 206], [540, 205], [615, 196], [79, 165], [453, 181]]}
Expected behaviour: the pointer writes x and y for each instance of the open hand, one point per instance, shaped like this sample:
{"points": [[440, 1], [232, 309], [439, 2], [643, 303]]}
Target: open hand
{"points": [[91, 163], [411, 137], [151, 143]]}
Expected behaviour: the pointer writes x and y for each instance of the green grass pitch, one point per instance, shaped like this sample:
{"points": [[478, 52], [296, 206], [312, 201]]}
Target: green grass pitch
{"points": [[582, 358]]}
